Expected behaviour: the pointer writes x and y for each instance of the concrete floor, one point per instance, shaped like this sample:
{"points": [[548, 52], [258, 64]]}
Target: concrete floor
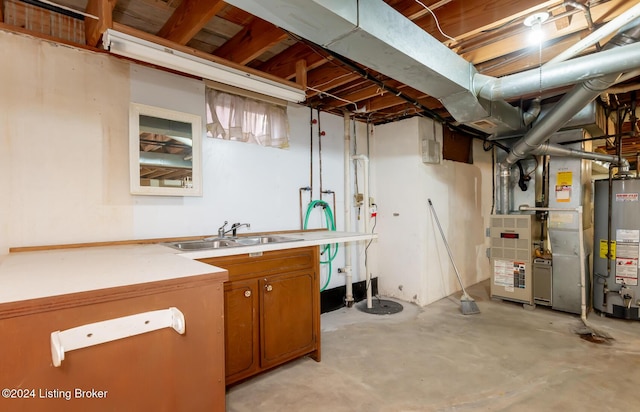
{"points": [[435, 359]]}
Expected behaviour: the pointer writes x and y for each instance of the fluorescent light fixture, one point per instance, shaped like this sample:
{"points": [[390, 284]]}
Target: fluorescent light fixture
{"points": [[135, 48]]}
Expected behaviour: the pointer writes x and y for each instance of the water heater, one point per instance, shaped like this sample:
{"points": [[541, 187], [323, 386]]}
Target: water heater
{"points": [[617, 248]]}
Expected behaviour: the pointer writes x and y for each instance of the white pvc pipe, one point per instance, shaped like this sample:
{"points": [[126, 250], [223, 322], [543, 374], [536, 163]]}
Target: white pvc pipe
{"points": [[347, 209], [365, 205], [596, 36]]}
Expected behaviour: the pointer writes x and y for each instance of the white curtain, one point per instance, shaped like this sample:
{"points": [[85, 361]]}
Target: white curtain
{"points": [[233, 117]]}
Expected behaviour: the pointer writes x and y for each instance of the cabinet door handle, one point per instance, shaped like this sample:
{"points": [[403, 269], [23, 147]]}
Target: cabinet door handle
{"points": [[268, 288], [247, 293]]}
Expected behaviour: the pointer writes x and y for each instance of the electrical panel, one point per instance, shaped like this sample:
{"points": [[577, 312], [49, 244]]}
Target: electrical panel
{"points": [[430, 151]]}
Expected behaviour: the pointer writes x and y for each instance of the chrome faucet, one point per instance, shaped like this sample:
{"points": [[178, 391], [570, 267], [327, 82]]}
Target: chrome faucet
{"points": [[221, 231], [234, 227]]}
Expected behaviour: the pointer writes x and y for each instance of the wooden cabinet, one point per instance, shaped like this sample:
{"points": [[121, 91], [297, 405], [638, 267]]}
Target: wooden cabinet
{"points": [[272, 309], [242, 340], [160, 370]]}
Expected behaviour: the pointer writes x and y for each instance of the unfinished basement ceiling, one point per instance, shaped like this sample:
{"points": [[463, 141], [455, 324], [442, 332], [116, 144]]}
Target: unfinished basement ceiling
{"points": [[490, 34]]}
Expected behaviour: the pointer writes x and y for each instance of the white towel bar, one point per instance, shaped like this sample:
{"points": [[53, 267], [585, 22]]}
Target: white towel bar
{"points": [[113, 329]]}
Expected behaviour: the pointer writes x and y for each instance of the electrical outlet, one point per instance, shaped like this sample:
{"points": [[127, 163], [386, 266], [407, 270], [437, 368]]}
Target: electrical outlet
{"points": [[359, 197]]}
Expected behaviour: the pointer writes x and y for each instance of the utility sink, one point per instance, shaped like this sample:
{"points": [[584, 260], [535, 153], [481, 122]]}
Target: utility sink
{"points": [[256, 240], [202, 244], [217, 243]]}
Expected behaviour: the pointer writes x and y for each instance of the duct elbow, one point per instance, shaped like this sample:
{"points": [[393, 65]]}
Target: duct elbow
{"points": [[624, 165], [483, 86], [532, 114]]}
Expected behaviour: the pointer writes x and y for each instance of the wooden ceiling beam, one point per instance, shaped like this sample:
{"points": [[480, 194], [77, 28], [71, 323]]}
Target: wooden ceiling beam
{"points": [[412, 10], [491, 15], [93, 29], [189, 18], [525, 59], [235, 15], [389, 100], [284, 64], [489, 32], [328, 77], [356, 95], [254, 39], [301, 73]]}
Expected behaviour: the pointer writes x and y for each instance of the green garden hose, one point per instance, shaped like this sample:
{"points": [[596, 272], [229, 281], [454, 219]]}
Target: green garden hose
{"points": [[331, 226]]}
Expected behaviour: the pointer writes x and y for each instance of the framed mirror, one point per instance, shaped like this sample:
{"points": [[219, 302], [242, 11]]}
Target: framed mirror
{"points": [[165, 152]]}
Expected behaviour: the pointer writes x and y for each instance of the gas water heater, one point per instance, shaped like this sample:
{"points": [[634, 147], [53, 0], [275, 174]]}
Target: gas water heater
{"points": [[617, 248]]}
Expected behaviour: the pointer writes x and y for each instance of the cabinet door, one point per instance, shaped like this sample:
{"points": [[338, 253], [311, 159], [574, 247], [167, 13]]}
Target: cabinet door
{"points": [[241, 329], [288, 321]]}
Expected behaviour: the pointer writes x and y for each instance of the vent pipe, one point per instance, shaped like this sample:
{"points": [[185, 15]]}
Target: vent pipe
{"points": [[561, 74], [572, 102], [562, 151]]}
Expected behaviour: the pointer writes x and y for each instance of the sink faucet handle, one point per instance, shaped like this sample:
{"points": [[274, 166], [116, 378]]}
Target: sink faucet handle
{"points": [[221, 229], [236, 226]]}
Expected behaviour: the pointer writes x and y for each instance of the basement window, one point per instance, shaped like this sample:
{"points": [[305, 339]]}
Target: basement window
{"points": [[457, 146], [244, 116]]}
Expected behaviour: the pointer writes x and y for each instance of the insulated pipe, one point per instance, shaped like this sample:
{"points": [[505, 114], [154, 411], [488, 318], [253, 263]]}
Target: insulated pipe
{"points": [[348, 300], [365, 172], [598, 35]]}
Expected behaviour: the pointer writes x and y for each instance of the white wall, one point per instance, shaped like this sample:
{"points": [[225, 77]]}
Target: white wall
{"points": [[64, 162], [410, 258], [64, 156]]}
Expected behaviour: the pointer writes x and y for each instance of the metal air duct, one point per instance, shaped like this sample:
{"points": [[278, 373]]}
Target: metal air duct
{"points": [[549, 76], [153, 159], [573, 101], [372, 33]]}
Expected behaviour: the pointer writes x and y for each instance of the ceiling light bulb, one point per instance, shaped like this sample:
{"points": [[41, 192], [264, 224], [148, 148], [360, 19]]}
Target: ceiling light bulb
{"points": [[535, 22]]}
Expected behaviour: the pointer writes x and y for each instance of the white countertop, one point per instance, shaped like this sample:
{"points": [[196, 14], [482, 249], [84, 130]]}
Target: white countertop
{"points": [[38, 274], [302, 239]]}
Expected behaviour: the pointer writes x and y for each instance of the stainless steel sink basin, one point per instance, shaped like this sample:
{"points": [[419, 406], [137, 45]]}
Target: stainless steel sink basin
{"points": [[203, 244], [256, 240], [217, 243]]}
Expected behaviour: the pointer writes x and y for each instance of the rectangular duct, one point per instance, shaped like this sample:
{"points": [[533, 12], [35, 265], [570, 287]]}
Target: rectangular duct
{"points": [[374, 34]]}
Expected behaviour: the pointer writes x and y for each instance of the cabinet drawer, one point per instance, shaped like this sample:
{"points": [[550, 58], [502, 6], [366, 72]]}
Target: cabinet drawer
{"points": [[278, 261]]}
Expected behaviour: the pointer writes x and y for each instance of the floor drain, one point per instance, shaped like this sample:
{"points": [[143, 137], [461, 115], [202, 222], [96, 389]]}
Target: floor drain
{"points": [[380, 307], [594, 338]]}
